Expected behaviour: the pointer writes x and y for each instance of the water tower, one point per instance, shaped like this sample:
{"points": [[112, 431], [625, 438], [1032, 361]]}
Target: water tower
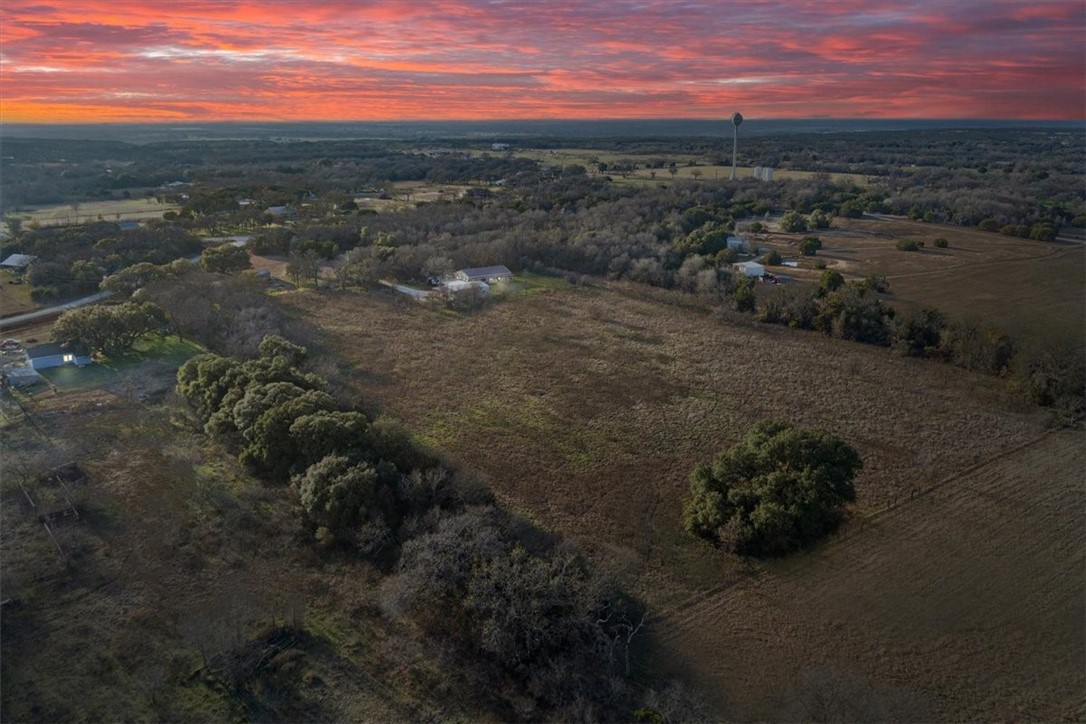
{"points": [[737, 118]]}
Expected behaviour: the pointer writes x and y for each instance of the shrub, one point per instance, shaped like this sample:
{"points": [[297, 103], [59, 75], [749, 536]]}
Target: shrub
{"points": [[224, 259], [988, 225], [918, 333], [773, 258], [792, 222], [850, 313], [831, 281], [970, 345], [1042, 232], [780, 488], [337, 494], [907, 245], [1053, 377], [810, 245], [941, 243], [743, 294], [875, 283]]}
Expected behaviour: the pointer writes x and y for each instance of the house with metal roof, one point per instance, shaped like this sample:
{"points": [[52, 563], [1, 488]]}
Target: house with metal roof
{"points": [[51, 354], [18, 261], [751, 268], [484, 274]]}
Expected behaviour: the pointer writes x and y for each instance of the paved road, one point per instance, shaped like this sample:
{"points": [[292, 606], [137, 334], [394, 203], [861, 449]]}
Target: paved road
{"points": [[54, 311]]}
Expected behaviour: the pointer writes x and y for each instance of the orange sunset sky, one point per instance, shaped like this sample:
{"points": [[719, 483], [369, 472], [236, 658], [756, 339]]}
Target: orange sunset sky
{"points": [[89, 61]]}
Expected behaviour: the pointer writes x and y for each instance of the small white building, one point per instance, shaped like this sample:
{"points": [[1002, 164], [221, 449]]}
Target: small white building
{"points": [[484, 274], [751, 269]]}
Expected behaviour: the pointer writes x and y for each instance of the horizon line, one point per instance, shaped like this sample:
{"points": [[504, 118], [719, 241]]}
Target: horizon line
{"points": [[722, 119]]}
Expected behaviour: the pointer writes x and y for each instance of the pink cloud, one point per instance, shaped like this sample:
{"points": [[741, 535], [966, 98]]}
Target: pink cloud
{"points": [[279, 59]]}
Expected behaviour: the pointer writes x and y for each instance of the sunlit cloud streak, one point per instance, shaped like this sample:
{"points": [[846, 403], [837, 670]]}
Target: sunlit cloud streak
{"points": [[120, 60]]}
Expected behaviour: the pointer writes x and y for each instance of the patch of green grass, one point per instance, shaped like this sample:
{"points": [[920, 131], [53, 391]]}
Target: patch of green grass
{"points": [[170, 352], [527, 283]]}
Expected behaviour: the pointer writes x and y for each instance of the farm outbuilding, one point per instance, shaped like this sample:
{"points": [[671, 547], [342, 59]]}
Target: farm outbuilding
{"points": [[17, 261], [751, 268], [737, 243], [484, 274], [51, 354]]}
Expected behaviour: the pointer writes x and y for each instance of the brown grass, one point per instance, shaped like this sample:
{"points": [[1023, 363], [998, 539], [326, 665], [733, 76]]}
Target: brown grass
{"points": [[1035, 290], [14, 298], [586, 409]]}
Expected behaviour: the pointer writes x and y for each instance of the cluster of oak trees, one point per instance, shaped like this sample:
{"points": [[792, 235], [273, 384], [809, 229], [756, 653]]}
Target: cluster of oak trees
{"points": [[73, 260], [520, 610], [779, 489]]}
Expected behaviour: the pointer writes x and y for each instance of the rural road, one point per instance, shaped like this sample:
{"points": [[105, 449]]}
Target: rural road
{"points": [[52, 311]]}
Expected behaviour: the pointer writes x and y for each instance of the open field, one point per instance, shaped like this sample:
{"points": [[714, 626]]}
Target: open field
{"points": [[14, 298], [405, 194], [1036, 290], [964, 603], [88, 211], [705, 170], [586, 409]]}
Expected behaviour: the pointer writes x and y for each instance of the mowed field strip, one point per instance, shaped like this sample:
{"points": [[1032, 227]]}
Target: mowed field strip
{"points": [[586, 409]]}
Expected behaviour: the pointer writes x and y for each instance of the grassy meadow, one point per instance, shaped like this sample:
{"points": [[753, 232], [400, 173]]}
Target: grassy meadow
{"points": [[586, 408], [86, 212], [1036, 290]]}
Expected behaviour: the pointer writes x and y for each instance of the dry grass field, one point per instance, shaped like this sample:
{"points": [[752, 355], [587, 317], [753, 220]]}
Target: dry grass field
{"points": [[704, 171], [88, 211], [14, 298], [963, 604], [586, 409], [1036, 290], [405, 194]]}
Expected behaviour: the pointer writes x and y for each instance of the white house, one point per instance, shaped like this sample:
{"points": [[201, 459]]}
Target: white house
{"points": [[51, 354], [484, 274], [751, 268]]}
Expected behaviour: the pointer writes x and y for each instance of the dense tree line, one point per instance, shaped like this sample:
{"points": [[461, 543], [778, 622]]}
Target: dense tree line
{"points": [[74, 260], [523, 612]]}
